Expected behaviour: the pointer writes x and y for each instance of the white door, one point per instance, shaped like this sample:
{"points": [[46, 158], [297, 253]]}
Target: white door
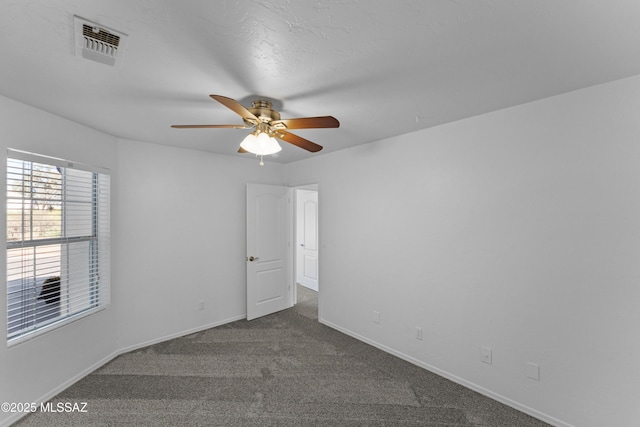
{"points": [[307, 238], [268, 271]]}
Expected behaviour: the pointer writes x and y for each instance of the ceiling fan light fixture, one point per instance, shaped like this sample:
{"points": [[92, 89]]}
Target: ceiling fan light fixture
{"points": [[268, 126], [261, 144]]}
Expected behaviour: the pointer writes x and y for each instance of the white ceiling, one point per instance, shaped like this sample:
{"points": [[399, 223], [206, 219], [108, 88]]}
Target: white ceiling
{"points": [[381, 67]]}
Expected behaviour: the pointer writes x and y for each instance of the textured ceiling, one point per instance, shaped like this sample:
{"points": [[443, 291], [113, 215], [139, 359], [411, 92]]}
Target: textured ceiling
{"points": [[381, 67]]}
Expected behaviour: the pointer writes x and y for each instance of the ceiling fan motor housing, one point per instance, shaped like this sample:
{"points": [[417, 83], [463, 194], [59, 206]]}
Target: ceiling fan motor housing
{"points": [[263, 110]]}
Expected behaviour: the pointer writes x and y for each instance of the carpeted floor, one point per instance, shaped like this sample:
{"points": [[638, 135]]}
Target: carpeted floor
{"points": [[285, 369]]}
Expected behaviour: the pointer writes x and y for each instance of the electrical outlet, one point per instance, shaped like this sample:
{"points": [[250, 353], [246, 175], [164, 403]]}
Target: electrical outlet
{"points": [[376, 316], [533, 371], [419, 334], [486, 355], [201, 305]]}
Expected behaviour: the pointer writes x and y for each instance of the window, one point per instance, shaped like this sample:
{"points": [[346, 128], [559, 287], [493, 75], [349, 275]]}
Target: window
{"points": [[57, 243]]}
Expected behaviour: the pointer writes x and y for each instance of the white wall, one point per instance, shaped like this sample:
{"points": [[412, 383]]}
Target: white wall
{"points": [[517, 230], [35, 369], [178, 237], [181, 239]]}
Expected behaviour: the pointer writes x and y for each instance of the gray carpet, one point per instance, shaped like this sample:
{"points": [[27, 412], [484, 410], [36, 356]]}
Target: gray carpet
{"points": [[285, 369]]}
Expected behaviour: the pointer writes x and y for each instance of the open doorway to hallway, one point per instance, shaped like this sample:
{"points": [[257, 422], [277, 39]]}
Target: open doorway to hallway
{"points": [[306, 250], [307, 302]]}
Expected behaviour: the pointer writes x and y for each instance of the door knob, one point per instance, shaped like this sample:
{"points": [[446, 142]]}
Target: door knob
{"points": [[253, 258]]}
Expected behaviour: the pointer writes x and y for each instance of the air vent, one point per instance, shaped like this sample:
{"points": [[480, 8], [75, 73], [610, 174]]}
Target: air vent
{"points": [[98, 43]]}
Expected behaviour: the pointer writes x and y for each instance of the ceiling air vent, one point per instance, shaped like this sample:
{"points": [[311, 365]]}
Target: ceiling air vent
{"points": [[98, 43]]}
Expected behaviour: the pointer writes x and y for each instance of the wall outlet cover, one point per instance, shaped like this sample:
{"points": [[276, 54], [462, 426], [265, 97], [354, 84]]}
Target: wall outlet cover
{"points": [[533, 371], [486, 355], [376, 316]]}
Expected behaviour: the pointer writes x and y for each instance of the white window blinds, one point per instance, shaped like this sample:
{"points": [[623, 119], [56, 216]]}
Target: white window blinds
{"points": [[57, 243]]}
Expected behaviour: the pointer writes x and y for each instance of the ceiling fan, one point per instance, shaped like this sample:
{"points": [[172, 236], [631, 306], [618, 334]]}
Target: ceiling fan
{"points": [[267, 126]]}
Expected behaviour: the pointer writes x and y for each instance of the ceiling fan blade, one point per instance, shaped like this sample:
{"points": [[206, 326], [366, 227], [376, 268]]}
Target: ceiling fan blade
{"points": [[211, 126], [242, 150], [299, 141], [235, 106], [309, 122]]}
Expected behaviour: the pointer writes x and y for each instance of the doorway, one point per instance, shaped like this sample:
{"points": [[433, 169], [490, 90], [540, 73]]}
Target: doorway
{"points": [[282, 249], [306, 259]]}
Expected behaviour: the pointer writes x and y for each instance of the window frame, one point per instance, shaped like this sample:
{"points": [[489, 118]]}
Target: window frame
{"points": [[97, 277]]}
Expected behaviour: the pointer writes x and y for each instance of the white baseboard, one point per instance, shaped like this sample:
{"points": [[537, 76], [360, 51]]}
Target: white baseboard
{"points": [[60, 388], [49, 395], [179, 334], [475, 387], [495, 396]]}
